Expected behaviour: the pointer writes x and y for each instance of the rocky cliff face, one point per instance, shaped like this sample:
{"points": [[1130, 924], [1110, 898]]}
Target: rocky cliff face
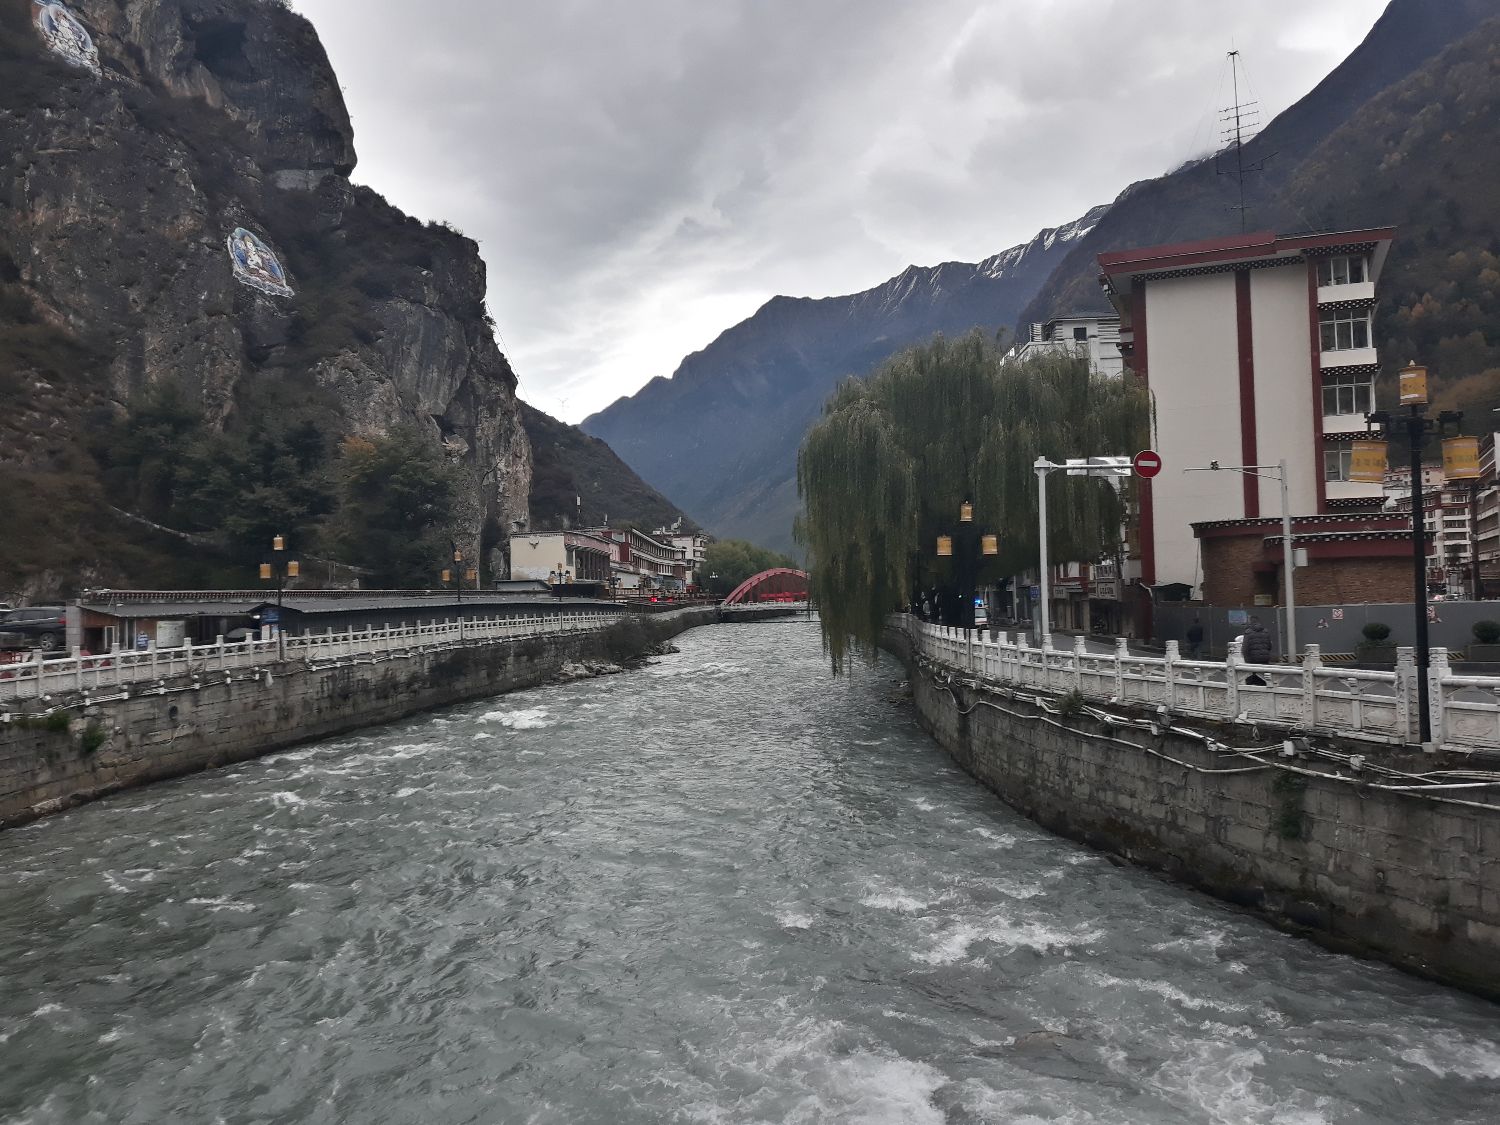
{"points": [[721, 436], [119, 192]]}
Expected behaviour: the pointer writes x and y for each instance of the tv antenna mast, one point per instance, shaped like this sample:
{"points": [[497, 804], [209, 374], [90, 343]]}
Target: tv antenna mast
{"points": [[1239, 122]]}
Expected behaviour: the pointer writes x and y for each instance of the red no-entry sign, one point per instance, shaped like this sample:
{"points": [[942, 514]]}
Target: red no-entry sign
{"points": [[1147, 463]]}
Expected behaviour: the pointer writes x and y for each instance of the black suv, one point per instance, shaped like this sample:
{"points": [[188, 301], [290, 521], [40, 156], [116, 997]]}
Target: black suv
{"points": [[45, 626]]}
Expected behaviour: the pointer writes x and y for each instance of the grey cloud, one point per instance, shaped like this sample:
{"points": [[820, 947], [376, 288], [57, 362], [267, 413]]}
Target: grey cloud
{"points": [[636, 173]]}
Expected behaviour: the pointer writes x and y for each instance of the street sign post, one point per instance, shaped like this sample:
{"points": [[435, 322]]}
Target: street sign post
{"points": [[1146, 463], [1110, 468]]}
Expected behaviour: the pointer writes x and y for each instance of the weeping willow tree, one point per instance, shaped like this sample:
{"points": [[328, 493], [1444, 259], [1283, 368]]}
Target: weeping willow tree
{"points": [[884, 471]]}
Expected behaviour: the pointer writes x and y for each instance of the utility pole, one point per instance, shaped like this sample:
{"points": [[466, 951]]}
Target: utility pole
{"points": [[1414, 425], [1276, 472]]}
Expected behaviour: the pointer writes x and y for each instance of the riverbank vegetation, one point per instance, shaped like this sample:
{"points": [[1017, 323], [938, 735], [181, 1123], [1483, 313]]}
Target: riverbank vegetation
{"points": [[884, 471]]}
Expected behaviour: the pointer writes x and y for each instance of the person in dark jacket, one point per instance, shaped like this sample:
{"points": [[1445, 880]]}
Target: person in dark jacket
{"points": [[1256, 648], [1194, 638]]}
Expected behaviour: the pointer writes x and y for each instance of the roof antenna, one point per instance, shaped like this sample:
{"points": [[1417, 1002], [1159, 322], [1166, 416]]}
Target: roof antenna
{"points": [[1240, 123]]}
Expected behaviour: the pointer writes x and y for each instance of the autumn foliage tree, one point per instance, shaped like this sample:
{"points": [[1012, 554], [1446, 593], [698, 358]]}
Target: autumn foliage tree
{"points": [[884, 471]]}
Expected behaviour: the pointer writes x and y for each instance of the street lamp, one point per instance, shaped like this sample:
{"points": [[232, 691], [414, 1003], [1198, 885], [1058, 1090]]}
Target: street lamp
{"points": [[965, 545], [1276, 472], [281, 572], [1414, 426], [457, 575]]}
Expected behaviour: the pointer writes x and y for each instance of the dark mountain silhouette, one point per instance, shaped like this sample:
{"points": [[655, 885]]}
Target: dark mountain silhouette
{"points": [[1197, 202], [721, 435], [575, 476]]}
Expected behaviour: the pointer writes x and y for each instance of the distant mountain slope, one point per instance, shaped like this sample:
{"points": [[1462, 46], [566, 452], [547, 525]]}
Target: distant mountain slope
{"points": [[721, 435], [1196, 202], [1425, 155], [567, 465]]}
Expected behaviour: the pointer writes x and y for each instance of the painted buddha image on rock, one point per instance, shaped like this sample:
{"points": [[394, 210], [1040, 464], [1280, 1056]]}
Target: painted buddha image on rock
{"points": [[255, 265], [64, 35]]}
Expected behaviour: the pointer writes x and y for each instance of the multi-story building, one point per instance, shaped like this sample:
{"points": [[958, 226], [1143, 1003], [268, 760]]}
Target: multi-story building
{"points": [[561, 556], [692, 548], [1256, 349], [1095, 337], [643, 562], [1486, 507]]}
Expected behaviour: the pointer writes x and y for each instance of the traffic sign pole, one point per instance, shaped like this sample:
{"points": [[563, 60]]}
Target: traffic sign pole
{"points": [[1107, 467]]}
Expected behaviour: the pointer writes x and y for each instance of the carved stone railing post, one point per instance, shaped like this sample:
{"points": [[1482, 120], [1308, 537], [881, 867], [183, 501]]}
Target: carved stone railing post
{"points": [[1169, 674], [1080, 650], [1232, 679], [1406, 690], [1312, 660], [1437, 672], [1122, 650]]}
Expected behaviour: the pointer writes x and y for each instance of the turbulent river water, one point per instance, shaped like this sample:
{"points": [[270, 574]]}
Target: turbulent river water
{"points": [[723, 888]]}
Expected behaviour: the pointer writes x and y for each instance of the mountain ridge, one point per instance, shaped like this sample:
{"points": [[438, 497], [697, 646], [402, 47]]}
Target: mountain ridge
{"points": [[686, 434]]}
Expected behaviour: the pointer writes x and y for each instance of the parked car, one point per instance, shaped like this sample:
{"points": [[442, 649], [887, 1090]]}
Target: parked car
{"points": [[42, 626]]}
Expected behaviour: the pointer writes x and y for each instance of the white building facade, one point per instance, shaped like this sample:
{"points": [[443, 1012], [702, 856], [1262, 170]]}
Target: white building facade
{"points": [[1255, 349], [1093, 337]]}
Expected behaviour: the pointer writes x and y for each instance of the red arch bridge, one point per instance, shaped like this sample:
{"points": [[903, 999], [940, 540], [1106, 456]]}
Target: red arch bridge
{"points": [[780, 584]]}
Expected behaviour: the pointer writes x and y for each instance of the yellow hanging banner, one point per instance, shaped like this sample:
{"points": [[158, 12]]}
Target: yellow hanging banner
{"points": [[1367, 462], [1461, 458], [1413, 384]]}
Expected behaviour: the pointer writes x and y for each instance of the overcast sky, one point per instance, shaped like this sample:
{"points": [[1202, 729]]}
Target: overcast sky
{"points": [[642, 175]]}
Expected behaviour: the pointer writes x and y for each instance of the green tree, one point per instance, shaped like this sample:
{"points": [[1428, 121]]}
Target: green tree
{"points": [[397, 505], [735, 560], [882, 474]]}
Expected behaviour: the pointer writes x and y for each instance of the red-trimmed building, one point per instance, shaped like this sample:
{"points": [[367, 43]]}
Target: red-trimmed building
{"points": [[1255, 348]]}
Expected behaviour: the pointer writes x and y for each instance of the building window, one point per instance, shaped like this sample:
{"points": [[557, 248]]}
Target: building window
{"points": [[1336, 462], [1348, 392], [1341, 271], [1344, 331], [1080, 333]]}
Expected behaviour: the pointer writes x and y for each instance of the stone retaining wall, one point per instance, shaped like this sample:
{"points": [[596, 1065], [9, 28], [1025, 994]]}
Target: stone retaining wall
{"points": [[1389, 875], [84, 750]]}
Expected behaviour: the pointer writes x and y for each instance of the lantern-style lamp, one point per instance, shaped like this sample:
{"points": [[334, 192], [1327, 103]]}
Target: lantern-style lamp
{"points": [[447, 575], [265, 572], [945, 546], [966, 512], [1413, 384], [293, 569], [278, 544], [989, 544]]}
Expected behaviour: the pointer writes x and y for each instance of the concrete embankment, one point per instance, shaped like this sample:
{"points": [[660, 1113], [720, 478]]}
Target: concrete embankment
{"points": [[81, 749], [1410, 879]]}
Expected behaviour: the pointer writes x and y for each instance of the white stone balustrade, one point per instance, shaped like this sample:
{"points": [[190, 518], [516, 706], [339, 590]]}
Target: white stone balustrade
{"points": [[122, 668], [1311, 697]]}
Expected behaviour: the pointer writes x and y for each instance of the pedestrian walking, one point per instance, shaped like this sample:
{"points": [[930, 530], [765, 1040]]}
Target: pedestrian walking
{"points": [[1256, 648], [1194, 638]]}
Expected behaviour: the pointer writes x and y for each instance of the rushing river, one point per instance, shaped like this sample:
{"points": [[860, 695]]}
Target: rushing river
{"points": [[724, 888]]}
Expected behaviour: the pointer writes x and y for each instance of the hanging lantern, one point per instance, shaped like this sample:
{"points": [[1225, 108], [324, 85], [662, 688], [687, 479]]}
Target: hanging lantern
{"points": [[278, 544], [1413, 384], [447, 576], [990, 544], [1367, 462], [294, 569], [471, 575], [1461, 458], [966, 512], [265, 572], [945, 545]]}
